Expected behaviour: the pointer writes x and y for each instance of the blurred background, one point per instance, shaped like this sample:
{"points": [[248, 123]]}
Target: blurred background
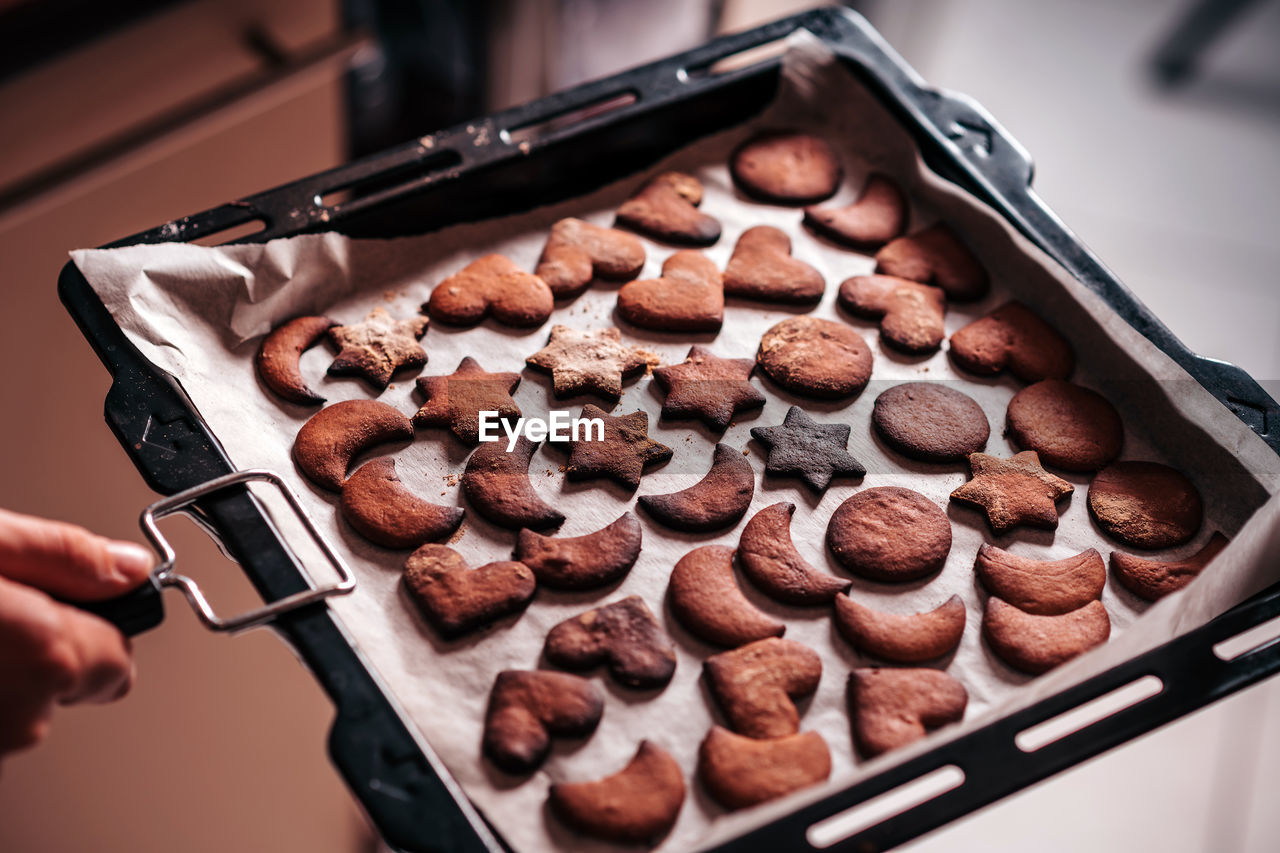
{"points": [[1155, 125]]}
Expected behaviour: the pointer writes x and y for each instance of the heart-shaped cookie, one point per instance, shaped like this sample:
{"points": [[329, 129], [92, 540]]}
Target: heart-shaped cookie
{"points": [[1012, 337], [893, 707], [456, 599], [689, 297], [624, 634], [576, 251], [936, 256], [762, 268], [756, 685], [878, 216], [491, 285], [527, 708], [667, 208], [910, 313]]}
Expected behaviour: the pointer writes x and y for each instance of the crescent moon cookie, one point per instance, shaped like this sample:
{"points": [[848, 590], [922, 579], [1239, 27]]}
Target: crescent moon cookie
{"points": [[709, 388], [910, 313], [639, 804], [706, 599], [491, 286], [768, 557], [1070, 427], [762, 268], [378, 347], [1154, 579], [623, 453], [1035, 644], [1013, 338], [687, 297], [813, 357], [739, 772], [526, 709], [1013, 491], [577, 251], [802, 447], [497, 485], [936, 256], [589, 362], [456, 401], [902, 637], [582, 562], [719, 499], [1146, 504], [894, 707], [930, 422], [625, 635], [381, 509], [277, 360], [879, 215], [1043, 587], [666, 208], [333, 436], [456, 599], [889, 534], [785, 167], [756, 686]]}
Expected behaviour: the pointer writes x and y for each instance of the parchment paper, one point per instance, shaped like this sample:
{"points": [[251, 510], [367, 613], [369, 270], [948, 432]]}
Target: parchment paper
{"points": [[199, 313]]}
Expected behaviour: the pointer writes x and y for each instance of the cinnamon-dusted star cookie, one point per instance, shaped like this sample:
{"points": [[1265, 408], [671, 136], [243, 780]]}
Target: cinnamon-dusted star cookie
{"points": [[910, 313], [1012, 337], [893, 707], [576, 251], [1013, 491], [762, 268], [277, 360], [639, 804], [589, 362], [785, 167], [456, 401], [739, 772], [666, 208], [936, 256], [687, 297], [625, 635], [814, 357], [709, 388], [802, 447], [1146, 504], [456, 599], [491, 285], [378, 346], [622, 455], [879, 215], [1071, 427], [527, 708], [1034, 644], [1154, 579], [890, 534], [930, 421]]}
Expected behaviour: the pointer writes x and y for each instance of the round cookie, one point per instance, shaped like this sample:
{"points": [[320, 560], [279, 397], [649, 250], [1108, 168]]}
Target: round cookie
{"points": [[1070, 427], [815, 357], [1146, 504], [889, 534], [930, 422], [786, 168]]}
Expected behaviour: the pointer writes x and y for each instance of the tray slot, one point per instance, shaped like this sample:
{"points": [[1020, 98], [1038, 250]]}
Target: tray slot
{"points": [[246, 230], [532, 131], [880, 808], [1247, 642], [744, 58], [438, 161], [1094, 711]]}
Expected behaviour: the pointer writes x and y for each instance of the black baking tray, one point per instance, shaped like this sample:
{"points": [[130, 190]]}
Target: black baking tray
{"points": [[563, 146]]}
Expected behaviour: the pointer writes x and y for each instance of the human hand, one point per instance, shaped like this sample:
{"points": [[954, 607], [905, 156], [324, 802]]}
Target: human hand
{"points": [[50, 652]]}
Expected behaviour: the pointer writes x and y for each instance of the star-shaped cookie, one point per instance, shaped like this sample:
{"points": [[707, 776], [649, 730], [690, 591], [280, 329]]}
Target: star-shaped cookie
{"points": [[589, 362], [802, 447], [456, 401], [1013, 491], [378, 346], [708, 387], [623, 454]]}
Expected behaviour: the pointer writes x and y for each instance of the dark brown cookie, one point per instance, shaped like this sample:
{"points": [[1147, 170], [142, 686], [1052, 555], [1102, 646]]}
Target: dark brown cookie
{"points": [[624, 453], [936, 256], [497, 485], [624, 635], [333, 436], [666, 208], [768, 557], [910, 313], [1043, 587], [709, 388], [894, 707], [589, 362], [719, 499], [706, 599], [902, 637], [378, 346], [277, 360], [889, 534], [457, 599], [1013, 491], [577, 251], [1146, 504], [1012, 337], [879, 215], [688, 297], [582, 562], [1035, 644], [456, 401], [930, 422], [756, 686], [491, 286], [786, 168], [802, 447], [739, 772], [1154, 579], [527, 708], [381, 509], [813, 357], [762, 268], [637, 805], [1070, 427]]}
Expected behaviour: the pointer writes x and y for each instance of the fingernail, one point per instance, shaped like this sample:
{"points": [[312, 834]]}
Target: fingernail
{"points": [[130, 560]]}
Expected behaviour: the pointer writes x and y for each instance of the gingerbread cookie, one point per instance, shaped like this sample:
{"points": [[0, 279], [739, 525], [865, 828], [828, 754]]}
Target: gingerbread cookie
{"points": [[1035, 644], [706, 599], [497, 485], [491, 286], [762, 268], [1013, 491], [1154, 579], [902, 637], [910, 313], [1013, 338], [577, 251], [666, 208], [688, 297], [527, 708], [718, 500], [768, 557], [889, 534], [813, 357], [277, 360], [739, 772], [756, 686], [1043, 587], [1146, 504], [802, 447], [709, 388], [1070, 427], [582, 562], [589, 362], [456, 599], [936, 256], [622, 455], [624, 635], [378, 346], [930, 422], [456, 401], [381, 509], [879, 215], [894, 707], [786, 168], [333, 436], [637, 805]]}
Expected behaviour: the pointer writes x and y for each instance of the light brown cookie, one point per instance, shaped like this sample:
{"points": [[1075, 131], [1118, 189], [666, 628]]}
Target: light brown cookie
{"points": [[1070, 427], [719, 499], [378, 347], [688, 297], [527, 708], [589, 362], [762, 268], [625, 635], [491, 286], [1043, 587], [936, 256], [1013, 491], [769, 558], [457, 599], [813, 357], [577, 251], [1154, 579], [383, 510], [333, 436], [930, 421], [456, 401], [706, 599], [497, 486], [802, 447], [708, 387], [582, 562], [277, 359], [756, 686], [622, 455], [902, 637], [1013, 338], [1035, 644], [910, 313], [894, 707], [666, 208], [879, 215], [739, 772], [1146, 504], [889, 534], [637, 805], [785, 167]]}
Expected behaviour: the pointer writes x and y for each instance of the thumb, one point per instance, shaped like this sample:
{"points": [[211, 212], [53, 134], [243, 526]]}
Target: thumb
{"points": [[68, 561]]}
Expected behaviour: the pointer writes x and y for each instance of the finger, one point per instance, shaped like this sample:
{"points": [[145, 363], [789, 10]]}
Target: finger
{"points": [[23, 724], [68, 561]]}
